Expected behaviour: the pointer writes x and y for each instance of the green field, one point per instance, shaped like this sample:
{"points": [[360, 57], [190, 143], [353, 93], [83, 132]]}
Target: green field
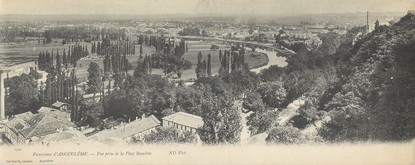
{"points": [[22, 52]]}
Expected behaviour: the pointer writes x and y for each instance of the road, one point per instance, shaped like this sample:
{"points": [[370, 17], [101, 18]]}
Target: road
{"points": [[259, 44], [270, 46]]}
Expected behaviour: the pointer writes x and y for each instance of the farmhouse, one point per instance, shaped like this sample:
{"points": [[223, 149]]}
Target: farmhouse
{"points": [[183, 122]]}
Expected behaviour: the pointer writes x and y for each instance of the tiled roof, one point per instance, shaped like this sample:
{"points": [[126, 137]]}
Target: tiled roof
{"points": [[185, 119], [61, 116], [35, 119], [46, 129], [17, 124], [69, 136], [25, 116], [27, 131], [58, 104], [129, 129], [47, 122], [46, 109]]}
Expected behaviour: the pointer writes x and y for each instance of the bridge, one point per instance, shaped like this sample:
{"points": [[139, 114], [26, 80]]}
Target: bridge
{"points": [[258, 44]]}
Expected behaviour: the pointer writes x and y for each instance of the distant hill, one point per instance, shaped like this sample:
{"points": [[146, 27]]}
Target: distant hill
{"points": [[340, 19]]}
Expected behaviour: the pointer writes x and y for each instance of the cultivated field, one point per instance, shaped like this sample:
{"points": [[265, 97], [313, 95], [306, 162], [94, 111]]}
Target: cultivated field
{"points": [[21, 52]]}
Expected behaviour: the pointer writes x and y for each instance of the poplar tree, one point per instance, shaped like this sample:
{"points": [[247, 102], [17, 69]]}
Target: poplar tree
{"points": [[204, 67], [64, 58], [209, 66], [141, 51], [94, 78], [58, 62], [199, 65]]}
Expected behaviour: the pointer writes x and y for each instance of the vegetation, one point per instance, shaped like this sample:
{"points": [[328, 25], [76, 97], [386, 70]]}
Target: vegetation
{"points": [[286, 135], [191, 32], [94, 78], [357, 83], [169, 135], [75, 52], [22, 95]]}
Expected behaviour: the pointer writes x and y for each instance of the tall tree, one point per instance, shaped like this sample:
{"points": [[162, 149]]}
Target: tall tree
{"points": [[64, 59], [58, 61], [204, 68], [94, 78], [221, 122], [23, 94], [209, 66], [199, 70]]}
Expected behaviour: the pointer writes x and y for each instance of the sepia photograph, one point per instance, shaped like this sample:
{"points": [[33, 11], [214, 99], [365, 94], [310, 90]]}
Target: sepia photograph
{"points": [[207, 82]]}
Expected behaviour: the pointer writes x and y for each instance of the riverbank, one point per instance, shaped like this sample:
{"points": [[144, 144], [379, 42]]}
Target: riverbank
{"points": [[274, 58]]}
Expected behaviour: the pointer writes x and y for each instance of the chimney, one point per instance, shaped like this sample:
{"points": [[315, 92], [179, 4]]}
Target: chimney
{"points": [[367, 22], [2, 94]]}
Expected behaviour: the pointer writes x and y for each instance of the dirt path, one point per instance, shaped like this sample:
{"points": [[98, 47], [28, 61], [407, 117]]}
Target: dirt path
{"points": [[245, 133], [273, 59], [289, 112], [282, 120]]}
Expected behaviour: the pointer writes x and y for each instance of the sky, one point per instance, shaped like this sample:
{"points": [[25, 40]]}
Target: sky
{"points": [[246, 7]]}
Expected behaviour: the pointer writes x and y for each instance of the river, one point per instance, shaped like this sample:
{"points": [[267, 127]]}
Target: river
{"points": [[273, 59]]}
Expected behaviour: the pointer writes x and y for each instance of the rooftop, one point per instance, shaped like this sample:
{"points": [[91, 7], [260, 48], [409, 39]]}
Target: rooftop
{"points": [[17, 124], [185, 119], [24, 116], [69, 136], [47, 121], [46, 109], [58, 104], [129, 129]]}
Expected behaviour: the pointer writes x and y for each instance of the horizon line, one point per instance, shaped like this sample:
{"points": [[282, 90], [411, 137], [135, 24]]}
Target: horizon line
{"points": [[202, 14]]}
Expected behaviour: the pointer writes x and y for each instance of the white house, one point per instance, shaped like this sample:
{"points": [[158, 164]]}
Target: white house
{"points": [[183, 122]]}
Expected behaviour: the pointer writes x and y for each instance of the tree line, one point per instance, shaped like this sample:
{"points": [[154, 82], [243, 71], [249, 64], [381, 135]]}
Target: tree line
{"points": [[169, 56], [74, 53], [87, 33], [119, 47]]}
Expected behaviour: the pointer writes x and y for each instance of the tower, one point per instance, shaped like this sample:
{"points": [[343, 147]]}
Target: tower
{"points": [[367, 22], [3, 75]]}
